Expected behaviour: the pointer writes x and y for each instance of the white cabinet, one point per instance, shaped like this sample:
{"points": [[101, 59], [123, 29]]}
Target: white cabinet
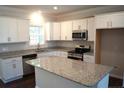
{"points": [[89, 58], [102, 21], [79, 24], [13, 33], [113, 20], [4, 30], [56, 33], [48, 31], [8, 30], [117, 20], [52, 31], [11, 69], [23, 30], [66, 30], [91, 29], [53, 53], [13, 30]]}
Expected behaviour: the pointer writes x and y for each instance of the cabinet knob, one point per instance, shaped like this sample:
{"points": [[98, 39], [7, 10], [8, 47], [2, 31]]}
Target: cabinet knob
{"points": [[14, 66]]}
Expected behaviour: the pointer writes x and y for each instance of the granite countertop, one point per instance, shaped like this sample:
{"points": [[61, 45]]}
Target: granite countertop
{"points": [[11, 54], [89, 53], [84, 73]]}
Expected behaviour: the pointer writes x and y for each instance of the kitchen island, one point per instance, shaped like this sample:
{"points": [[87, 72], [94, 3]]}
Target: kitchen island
{"points": [[61, 72]]}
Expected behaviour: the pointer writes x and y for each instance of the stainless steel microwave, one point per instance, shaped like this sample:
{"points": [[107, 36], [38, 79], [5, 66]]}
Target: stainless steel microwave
{"points": [[80, 35]]}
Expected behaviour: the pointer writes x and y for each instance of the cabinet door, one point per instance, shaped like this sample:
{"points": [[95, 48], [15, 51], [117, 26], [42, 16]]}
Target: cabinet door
{"points": [[91, 29], [48, 31], [76, 25], [117, 20], [56, 31], [63, 31], [83, 23], [23, 30], [4, 30], [19, 66], [8, 71], [102, 21], [12, 68], [66, 30], [13, 34]]}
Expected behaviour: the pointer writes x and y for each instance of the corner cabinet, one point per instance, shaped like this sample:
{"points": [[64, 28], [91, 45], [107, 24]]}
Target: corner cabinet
{"points": [[11, 69], [113, 20], [66, 30], [12, 30]]}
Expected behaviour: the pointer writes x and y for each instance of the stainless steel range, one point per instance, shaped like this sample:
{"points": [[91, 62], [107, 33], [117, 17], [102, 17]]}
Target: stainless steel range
{"points": [[78, 52]]}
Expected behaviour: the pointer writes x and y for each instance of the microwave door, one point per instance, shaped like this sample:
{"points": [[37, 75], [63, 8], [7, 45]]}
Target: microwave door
{"points": [[76, 35]]}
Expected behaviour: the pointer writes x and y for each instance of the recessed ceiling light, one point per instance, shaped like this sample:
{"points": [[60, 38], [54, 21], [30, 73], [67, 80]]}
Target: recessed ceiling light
{"points": [[55, 8]]}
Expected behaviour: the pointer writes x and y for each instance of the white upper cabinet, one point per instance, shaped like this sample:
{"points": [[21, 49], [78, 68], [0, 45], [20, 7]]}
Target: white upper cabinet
{"points": [[79, 24], [13, 33], [4, 30], [117, 20], [23, 30], [13, 30], [56, 33], [102, 21], [114, 20], [91, 29], [48, 29], [66, 30]]}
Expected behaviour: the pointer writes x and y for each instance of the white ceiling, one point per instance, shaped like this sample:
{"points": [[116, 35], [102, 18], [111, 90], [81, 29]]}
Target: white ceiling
{"points": [[48, 9]]}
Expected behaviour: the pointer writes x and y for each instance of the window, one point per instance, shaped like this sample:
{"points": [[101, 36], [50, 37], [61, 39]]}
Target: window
{"points": [[36, 35]]}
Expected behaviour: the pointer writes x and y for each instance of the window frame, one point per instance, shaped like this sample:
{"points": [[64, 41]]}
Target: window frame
{"points": [[41, 27]]}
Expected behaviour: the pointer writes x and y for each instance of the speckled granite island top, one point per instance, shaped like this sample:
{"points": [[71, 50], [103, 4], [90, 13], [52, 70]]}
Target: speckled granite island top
{"points": [[84, 73]]}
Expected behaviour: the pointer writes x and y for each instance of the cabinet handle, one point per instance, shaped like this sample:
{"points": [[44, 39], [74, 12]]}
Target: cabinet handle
{"points": [[9, 39], [14, 66], [79, 27], [107, 24], [111, 24], [65, 37]]}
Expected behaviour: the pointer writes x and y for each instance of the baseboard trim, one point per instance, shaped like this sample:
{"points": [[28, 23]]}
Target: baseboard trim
{"points": [[9, 80], [36, 87]]}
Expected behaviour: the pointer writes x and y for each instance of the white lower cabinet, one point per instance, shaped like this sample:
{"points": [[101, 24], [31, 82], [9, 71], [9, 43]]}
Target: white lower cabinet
{"points": [[53, 53], [89, 58], [11, 69]]}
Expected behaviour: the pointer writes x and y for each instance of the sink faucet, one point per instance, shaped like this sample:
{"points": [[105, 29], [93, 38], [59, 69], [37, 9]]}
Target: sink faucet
{"points": [[38, 47]]}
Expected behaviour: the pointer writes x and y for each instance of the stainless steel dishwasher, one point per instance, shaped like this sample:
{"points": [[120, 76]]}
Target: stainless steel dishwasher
{"points": [[28, 69]]}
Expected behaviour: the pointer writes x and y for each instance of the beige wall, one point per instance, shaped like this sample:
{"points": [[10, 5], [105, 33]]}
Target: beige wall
{"points": [[112, 50]]}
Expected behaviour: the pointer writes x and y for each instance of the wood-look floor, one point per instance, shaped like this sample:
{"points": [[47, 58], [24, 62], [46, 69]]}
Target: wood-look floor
{"points": [[29, 82]]}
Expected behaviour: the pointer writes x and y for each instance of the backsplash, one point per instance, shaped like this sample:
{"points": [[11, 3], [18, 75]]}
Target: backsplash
{"points": [[21, 46], [24, 45], [74, 43]]}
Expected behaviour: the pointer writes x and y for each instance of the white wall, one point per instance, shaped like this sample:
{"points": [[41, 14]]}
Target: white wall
{"points": [[112, 50]]}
